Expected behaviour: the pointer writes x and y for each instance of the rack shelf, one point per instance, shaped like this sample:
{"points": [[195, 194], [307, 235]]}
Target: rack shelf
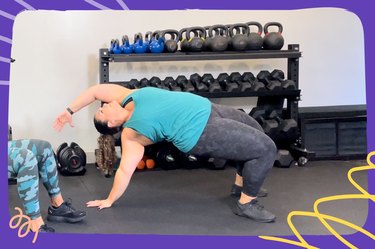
{"points": [[190, 56]]}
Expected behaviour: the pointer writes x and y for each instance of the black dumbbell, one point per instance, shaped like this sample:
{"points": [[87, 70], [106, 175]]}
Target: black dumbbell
{"points": [[288, 128], [257, 112], [156, 82], [134, 84], [166, 156], [172, 84], [211, 83], [196, 80], [185, 84], [270, 126], [256, 85], [284, 159], [285, 84], [144, 83], [237, 78], [265, 77], [226, 84]]}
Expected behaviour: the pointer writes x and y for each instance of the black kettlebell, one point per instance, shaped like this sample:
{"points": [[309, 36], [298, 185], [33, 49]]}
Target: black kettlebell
{"points": [[196, 43], [273, 40], [240, 39], [207, 42], [255, 38], [219, 39], [171, 44], [184, 45]]}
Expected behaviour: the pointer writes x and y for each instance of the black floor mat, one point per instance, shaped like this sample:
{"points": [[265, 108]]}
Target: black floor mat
{"points": [[197, 202]]}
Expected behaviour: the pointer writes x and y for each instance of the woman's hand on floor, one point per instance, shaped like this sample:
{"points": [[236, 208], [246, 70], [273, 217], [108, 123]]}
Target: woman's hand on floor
{"points": [[99, 203]]}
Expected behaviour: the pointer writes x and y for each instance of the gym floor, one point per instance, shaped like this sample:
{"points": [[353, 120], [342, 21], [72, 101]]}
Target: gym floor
{"points": [[197, 202]]}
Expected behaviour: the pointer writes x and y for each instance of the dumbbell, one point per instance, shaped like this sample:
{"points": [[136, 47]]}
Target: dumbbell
{"points": [[156, 82], [134, 84], [256, 85], [288, 128], [211, 83], [172, 84], [265, 77], [226, 84], [270, 126], [189, 161], [284, 159], [196, 80], [244, 86], [144, 83], [185, 84], [166, 156], [285, 84]]}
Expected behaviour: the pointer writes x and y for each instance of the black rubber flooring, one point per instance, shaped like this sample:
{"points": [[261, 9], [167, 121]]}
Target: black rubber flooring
{"points": [[197, 202]]}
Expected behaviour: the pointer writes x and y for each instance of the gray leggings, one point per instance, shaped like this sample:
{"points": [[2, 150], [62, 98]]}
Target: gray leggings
{"points": [[233, 135]]}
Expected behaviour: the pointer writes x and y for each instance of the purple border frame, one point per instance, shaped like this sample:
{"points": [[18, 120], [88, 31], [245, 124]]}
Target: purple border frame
{"points": [[8, 237]]}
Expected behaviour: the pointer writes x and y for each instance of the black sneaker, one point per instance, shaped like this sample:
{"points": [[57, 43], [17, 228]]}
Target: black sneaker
{"points": [[65, 213], [253, 210], [46, 229], [236, 191]]}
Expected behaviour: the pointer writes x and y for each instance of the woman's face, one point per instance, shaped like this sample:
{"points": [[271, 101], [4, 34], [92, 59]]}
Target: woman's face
{"points": [[109, 112]]}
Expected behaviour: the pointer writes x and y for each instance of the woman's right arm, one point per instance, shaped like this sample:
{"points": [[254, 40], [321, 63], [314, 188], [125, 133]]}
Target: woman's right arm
{"points": [[101, 92]]}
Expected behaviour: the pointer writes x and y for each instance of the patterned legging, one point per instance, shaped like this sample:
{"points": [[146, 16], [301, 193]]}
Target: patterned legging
{"points": [[27, 160]]}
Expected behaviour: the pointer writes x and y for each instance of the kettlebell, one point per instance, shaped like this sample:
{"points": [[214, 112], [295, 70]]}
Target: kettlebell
{"points": [[171, 45], [273, 40], [147, 41], [156, 43], [219, 41], [116, 47], [112, 46], [255, 38], [196, 43], [139, 47], [240, 39], [184, 45], [127, 48]]}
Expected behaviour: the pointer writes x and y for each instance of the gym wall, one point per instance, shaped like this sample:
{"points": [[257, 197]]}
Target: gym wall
{"points": [[56, 55]]}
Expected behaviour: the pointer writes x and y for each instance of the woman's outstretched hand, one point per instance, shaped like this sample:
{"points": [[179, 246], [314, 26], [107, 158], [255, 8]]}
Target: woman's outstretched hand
{"points": [[99, 203], [61, 120]]}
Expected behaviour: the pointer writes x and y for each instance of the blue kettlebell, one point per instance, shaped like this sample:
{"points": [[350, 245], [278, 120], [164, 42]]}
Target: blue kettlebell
{"points": [[116, 47], [111, 46], [127, 48], [147, 41], [139, 47], [156, 43]]}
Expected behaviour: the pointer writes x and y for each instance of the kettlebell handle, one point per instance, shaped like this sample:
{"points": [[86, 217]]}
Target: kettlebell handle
{"points": [[277, 24], [200, 31], [238, 27], [175, 35], [257, 24], [220, 30]]}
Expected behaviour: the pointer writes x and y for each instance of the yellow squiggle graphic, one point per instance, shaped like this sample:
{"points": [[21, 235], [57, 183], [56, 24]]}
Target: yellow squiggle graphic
{"points": [[20, 216], [323, 217]]}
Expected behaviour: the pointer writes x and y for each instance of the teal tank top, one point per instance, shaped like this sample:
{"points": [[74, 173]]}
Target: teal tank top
{"points": [[177, 117]]}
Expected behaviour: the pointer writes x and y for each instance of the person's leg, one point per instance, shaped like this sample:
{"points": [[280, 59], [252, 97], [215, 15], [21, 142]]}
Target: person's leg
{"points": [[59, 210], [22, 164], [233, 140], [240, 116]]}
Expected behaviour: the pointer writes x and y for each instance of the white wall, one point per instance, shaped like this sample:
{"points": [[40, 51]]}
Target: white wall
{"points": [[56, 56]]}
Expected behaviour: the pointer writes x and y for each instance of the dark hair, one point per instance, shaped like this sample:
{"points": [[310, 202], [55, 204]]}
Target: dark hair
{"points": [[102, 127]]}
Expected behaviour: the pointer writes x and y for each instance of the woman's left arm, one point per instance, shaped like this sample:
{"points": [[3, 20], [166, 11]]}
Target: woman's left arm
{"points": [[132, 153]]}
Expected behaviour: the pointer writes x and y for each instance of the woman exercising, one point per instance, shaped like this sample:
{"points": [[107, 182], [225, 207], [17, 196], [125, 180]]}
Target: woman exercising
{"points": [[192, 123], [27, 160]]}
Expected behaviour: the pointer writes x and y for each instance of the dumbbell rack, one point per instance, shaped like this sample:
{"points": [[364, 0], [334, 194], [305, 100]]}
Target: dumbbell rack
{"points": [[272, 99]]}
